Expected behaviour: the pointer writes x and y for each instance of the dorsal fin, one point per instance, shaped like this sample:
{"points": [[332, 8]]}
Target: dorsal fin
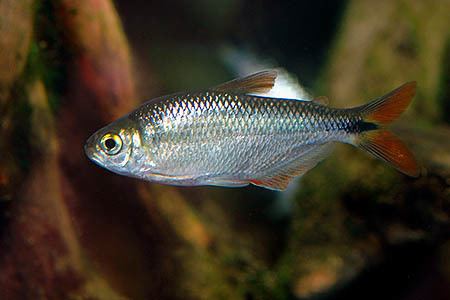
{"points": [[322, 100], [282, 176], [261, 82]]}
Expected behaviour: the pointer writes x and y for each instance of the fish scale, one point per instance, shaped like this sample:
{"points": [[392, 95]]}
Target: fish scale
{"points": [[217, 132]]}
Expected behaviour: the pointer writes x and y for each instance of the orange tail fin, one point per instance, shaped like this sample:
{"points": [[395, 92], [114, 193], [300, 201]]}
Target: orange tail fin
{"points": [[386, 146], [381, 143], [388, 108]]}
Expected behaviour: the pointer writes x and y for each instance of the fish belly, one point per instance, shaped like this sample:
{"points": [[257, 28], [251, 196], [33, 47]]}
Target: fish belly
{"points": [[232, 159], [235, 142]]}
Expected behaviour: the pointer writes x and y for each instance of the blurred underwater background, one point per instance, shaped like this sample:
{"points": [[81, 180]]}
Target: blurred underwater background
{"points": [[351, 228]]}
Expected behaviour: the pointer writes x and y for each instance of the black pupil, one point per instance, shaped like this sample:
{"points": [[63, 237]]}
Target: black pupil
{"points": [[110, 144]]}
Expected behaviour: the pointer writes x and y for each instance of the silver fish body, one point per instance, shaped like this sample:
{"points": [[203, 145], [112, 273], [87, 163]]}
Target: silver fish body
{"points": [[199, 138], [225, 138]]}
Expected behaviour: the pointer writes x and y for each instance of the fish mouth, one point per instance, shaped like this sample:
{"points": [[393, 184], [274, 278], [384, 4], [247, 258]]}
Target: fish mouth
{"points": [[91, 151], [94, 157]]}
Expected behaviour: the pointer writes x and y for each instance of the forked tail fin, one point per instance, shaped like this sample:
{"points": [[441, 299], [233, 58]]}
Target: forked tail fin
{"points": [[380, 142]]}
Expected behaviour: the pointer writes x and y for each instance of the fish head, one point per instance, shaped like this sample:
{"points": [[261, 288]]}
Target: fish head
{"points": [[111, 147]]}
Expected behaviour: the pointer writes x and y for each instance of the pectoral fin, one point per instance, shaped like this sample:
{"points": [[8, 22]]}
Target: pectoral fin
{"points": [[227, 182]]}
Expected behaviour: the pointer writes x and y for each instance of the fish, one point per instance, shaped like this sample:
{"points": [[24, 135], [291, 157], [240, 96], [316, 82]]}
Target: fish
{"points": [[231, 135]]}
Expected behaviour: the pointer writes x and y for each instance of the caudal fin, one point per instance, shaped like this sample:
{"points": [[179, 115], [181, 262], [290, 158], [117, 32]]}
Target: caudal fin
{"points": [[386, 146], [388, 108], [380, 142]]}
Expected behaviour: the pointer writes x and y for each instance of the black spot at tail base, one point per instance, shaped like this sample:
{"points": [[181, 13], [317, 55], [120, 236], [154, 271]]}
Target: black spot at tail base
{"points": [[362, 126]]}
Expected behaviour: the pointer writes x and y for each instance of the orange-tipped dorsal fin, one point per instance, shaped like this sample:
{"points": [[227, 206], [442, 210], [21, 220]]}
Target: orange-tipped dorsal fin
{"points": [[389, 107], [258, 83]]}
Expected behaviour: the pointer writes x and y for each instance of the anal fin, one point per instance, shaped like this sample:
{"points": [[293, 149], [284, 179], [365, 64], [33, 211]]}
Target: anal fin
{"points": [[280, 178]]}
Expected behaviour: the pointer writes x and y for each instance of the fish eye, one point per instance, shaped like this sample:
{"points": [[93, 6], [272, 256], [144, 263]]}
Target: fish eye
{"points": [[111, 143]]}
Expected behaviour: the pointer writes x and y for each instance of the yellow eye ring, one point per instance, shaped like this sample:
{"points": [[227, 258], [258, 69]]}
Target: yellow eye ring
{"points": [[111, 143]]}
